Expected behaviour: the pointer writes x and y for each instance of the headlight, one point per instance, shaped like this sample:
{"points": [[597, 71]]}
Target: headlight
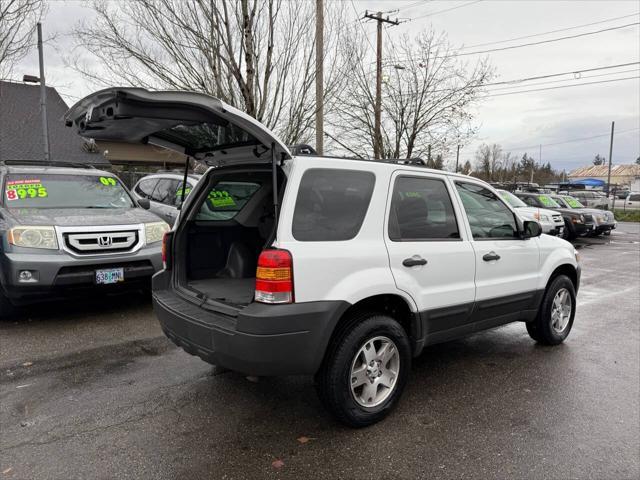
{"points": [[33, 237], [545, 218], [153, 232], [579, 219]]}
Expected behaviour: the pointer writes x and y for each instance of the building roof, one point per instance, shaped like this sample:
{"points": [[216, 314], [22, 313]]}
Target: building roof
{"points": [[599, 171], [21, 127]]}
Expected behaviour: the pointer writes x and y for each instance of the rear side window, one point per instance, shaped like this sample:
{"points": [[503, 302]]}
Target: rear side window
{"points": [[225, 199], [421, 209], [331, 204]]}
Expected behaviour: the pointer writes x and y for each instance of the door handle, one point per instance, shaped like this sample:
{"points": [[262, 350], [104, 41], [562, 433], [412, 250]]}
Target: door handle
{"points": [[414, 261], [491, 256]]}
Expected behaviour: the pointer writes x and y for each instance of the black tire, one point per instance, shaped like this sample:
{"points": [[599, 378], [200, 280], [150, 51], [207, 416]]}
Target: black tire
{"points": [[6, 307], [333, 380], [542, 329], [569, 232]]}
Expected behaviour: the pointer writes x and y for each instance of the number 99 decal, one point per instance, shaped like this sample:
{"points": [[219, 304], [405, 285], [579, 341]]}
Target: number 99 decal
{"points": [[108, 181]]}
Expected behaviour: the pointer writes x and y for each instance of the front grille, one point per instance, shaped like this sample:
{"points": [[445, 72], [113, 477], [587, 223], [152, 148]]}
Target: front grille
{"points": [[558, 219], [92, 243], [588, 218]]}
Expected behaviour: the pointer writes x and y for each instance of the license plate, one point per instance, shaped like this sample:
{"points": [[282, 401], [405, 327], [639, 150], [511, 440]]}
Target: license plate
{"points": [[112, 275]]}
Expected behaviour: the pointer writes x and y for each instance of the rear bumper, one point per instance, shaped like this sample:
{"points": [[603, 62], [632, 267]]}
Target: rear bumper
{"points": [[261, 340]]}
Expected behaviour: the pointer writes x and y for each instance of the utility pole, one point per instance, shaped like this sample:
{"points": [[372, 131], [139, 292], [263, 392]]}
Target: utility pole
{"points": [[377, 141], [429, 157], [319, 76], [457, 157], [610, 159], [43, 97]]}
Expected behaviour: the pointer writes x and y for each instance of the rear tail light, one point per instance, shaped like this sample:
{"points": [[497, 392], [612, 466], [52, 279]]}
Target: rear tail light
{"points": [[274, 277], [166, 250]]}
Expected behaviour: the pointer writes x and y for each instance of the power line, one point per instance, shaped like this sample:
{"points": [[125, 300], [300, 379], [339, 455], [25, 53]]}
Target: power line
{"points": [[550, 75], [569, 141], [549, 82], [446, 10], [414, 4], [549, 32], [362, 27], [568, 37], [561, 86]]}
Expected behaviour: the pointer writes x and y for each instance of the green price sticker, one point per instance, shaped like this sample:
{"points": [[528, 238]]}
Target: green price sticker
{"points": [[108, 181], [546, 201], [220, 198]]}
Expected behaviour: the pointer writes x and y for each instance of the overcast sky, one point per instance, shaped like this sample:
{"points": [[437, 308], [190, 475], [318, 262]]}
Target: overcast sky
{"points": [[515, 121]]}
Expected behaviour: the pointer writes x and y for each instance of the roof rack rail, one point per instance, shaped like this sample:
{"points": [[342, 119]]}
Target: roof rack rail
{"points": [[42, 163], [302, 149], [406, 161]]}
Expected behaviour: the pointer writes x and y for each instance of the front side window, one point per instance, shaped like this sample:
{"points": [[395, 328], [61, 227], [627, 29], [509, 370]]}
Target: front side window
{"points": [[145, 187], [421, 209], [165, 191], [225, 199], [64, 191], [331, 204], [489, 218]]}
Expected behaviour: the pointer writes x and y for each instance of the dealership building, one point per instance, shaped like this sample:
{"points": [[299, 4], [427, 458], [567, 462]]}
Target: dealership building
{"points": [[621, 175]]}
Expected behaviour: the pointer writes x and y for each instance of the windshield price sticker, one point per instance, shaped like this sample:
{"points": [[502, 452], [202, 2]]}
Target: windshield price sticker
{"points": [[108, 181], [220, 198], [546, 201], [21, 189]]}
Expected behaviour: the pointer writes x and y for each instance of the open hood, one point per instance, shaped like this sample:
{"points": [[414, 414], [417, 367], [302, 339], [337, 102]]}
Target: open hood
{"points": [[191, 123]]}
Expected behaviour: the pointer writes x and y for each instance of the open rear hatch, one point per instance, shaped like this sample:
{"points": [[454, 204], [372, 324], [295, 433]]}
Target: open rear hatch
{"points": [[232, 213], [195, 124]]}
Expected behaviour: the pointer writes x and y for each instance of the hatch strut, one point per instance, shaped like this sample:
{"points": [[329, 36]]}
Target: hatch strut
{"points": [[274, 177], [184, 182]]}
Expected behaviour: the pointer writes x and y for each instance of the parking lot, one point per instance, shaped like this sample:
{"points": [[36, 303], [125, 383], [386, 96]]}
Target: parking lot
{"points": [[94, 390]]}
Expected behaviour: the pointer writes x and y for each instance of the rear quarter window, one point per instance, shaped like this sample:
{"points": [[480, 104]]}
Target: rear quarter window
{"points": [[225, 200], [331, 204]]}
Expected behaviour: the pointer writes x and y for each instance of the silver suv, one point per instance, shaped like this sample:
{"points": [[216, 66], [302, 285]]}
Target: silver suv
{"points": [[64, 230], [164, 192]]}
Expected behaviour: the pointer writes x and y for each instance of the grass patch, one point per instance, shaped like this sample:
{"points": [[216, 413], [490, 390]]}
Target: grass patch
{"points": [[627, 216]]}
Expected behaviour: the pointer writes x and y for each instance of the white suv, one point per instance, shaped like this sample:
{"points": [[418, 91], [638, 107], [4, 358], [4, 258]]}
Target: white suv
{"points": [[343, 269]]}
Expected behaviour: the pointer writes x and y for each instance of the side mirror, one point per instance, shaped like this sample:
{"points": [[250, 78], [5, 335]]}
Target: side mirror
{"points": [[144, 203], [531, 229]]}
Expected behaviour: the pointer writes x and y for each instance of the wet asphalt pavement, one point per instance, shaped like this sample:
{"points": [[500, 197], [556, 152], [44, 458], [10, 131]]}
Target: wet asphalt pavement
{"points": [[94, 390]]}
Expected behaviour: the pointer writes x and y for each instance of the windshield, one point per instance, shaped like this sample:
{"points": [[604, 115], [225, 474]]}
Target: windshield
{"points": [[560, 201], [572, 202], [547, 201], [511, 199], [64, 191]]}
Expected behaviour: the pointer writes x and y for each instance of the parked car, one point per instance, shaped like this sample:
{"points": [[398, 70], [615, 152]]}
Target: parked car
{"points": [[632, 200], [576, 224], [164, 192], [343, 269], [603, 220], [591, 199], [66, 230], [550, 221]]}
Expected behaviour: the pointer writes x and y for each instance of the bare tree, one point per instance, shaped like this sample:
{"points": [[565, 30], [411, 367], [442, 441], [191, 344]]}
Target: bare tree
{"points": [[427, 97], [18, 19], [256, 55], [489, 161]]}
